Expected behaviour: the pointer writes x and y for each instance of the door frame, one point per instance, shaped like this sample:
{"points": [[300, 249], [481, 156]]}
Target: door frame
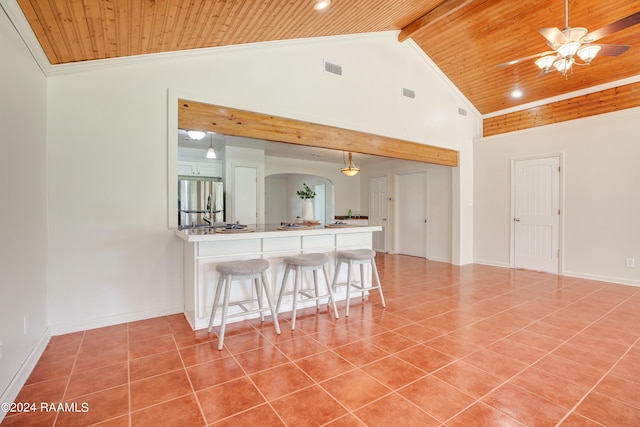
{"points": [[512, 247]]}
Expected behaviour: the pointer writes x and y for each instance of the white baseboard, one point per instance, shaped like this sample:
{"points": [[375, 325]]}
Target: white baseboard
{"points": [[65, 328], [21, 377], [492, 263], [576, 274], [438, 259], [597, 277]]}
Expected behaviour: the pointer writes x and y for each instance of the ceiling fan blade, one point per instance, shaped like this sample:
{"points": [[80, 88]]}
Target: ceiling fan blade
{"points": [[608, 29], [553, 35], [613, 49], [517, 61]]}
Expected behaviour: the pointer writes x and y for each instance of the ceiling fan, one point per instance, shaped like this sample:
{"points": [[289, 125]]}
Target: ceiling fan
{"points": [[574, 45]]}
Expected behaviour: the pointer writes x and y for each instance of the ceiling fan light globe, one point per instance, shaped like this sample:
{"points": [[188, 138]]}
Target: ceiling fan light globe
{"points": [[546, 62], [569, 49], [587, 53], [563, 65], [575, 34]]}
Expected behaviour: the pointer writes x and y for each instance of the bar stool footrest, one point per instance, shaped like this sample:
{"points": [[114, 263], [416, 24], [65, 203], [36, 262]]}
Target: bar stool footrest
{"points": [[363, 288], [308, 296], [246, 310]]}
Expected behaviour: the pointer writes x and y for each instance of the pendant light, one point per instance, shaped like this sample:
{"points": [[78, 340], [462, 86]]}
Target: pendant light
{"points": [[211, 153], [350, 169], [196, 135]]}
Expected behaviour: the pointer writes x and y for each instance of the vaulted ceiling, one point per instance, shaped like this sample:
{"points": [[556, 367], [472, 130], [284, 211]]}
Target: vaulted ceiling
{"points": [[466, 39]]}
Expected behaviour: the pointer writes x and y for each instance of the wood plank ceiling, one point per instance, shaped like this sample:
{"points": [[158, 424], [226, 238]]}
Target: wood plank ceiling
{"points": [[465, 38], [71, 31]]}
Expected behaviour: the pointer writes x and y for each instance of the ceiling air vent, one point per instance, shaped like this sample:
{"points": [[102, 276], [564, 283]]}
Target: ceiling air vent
{"points": [[332, 68], [462, 111], [408, 93]]}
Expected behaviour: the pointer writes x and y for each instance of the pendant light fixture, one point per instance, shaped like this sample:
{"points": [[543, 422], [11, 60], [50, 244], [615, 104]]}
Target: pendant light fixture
{"points": [[350, 169], [196, 135], [211, 153]]}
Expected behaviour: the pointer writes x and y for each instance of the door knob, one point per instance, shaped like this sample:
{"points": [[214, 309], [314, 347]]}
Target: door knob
{"points": [[516, 219]]}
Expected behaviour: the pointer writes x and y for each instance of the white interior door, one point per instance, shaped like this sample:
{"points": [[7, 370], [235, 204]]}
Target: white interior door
{"points": [[378, 211], [245, 194], [536, 220], [411, 214]]}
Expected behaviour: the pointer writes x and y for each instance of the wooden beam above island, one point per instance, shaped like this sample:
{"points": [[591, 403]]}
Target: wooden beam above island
{"points": [[232, 121], [203, 249]]}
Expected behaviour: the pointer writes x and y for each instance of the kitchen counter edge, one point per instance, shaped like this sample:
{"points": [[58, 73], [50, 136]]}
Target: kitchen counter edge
{"points": [[214, 237]]}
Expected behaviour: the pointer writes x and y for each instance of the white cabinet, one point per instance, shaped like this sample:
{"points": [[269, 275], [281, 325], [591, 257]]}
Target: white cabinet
{"points": [[187, 168], [204, 169], [202, 253], [210, 169]]}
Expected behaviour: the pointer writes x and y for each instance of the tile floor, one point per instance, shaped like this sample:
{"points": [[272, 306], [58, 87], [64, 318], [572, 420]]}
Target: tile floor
{"points": [[456, 346]]}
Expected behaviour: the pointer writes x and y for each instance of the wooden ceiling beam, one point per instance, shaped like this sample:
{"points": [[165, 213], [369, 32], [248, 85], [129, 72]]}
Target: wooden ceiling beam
{"points": [[443, 10], [229, 121], [605, 101]]}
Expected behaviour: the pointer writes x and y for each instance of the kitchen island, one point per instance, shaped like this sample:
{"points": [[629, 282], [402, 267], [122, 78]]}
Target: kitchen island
{"points": [[204, 248]]}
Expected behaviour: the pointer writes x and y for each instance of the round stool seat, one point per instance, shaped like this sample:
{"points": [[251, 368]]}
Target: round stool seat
{"points": [[298, 264], [358, 257], [307, 260], [357, 254], [238, 271], [243, 267]]}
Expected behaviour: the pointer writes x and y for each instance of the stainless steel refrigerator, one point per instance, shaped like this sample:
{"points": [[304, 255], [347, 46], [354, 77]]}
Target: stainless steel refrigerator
{"points": [[200, 201]]}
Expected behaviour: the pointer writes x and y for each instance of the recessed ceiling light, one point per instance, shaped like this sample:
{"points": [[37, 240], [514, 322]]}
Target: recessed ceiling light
{"points": [[322, 4], [516, 93]]}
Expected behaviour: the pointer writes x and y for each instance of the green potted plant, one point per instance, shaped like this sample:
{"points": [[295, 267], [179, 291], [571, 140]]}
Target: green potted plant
{"points": [[306, 192], [307, 195]]}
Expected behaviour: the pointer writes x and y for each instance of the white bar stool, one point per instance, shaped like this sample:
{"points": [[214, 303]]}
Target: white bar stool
{"points": [[252, 269], [358, 257], [298, 264]]}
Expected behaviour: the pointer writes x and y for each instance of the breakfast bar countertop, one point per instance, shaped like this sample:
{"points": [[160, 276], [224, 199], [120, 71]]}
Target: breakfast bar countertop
{"points": [[206, 234], [204, 248]]}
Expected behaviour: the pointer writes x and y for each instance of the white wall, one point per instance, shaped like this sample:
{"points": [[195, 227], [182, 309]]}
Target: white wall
{"points": [[346, 190], [23, 216], [601, 193], [440, 196], [112, 258], [276, 190], [294, 202]]}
